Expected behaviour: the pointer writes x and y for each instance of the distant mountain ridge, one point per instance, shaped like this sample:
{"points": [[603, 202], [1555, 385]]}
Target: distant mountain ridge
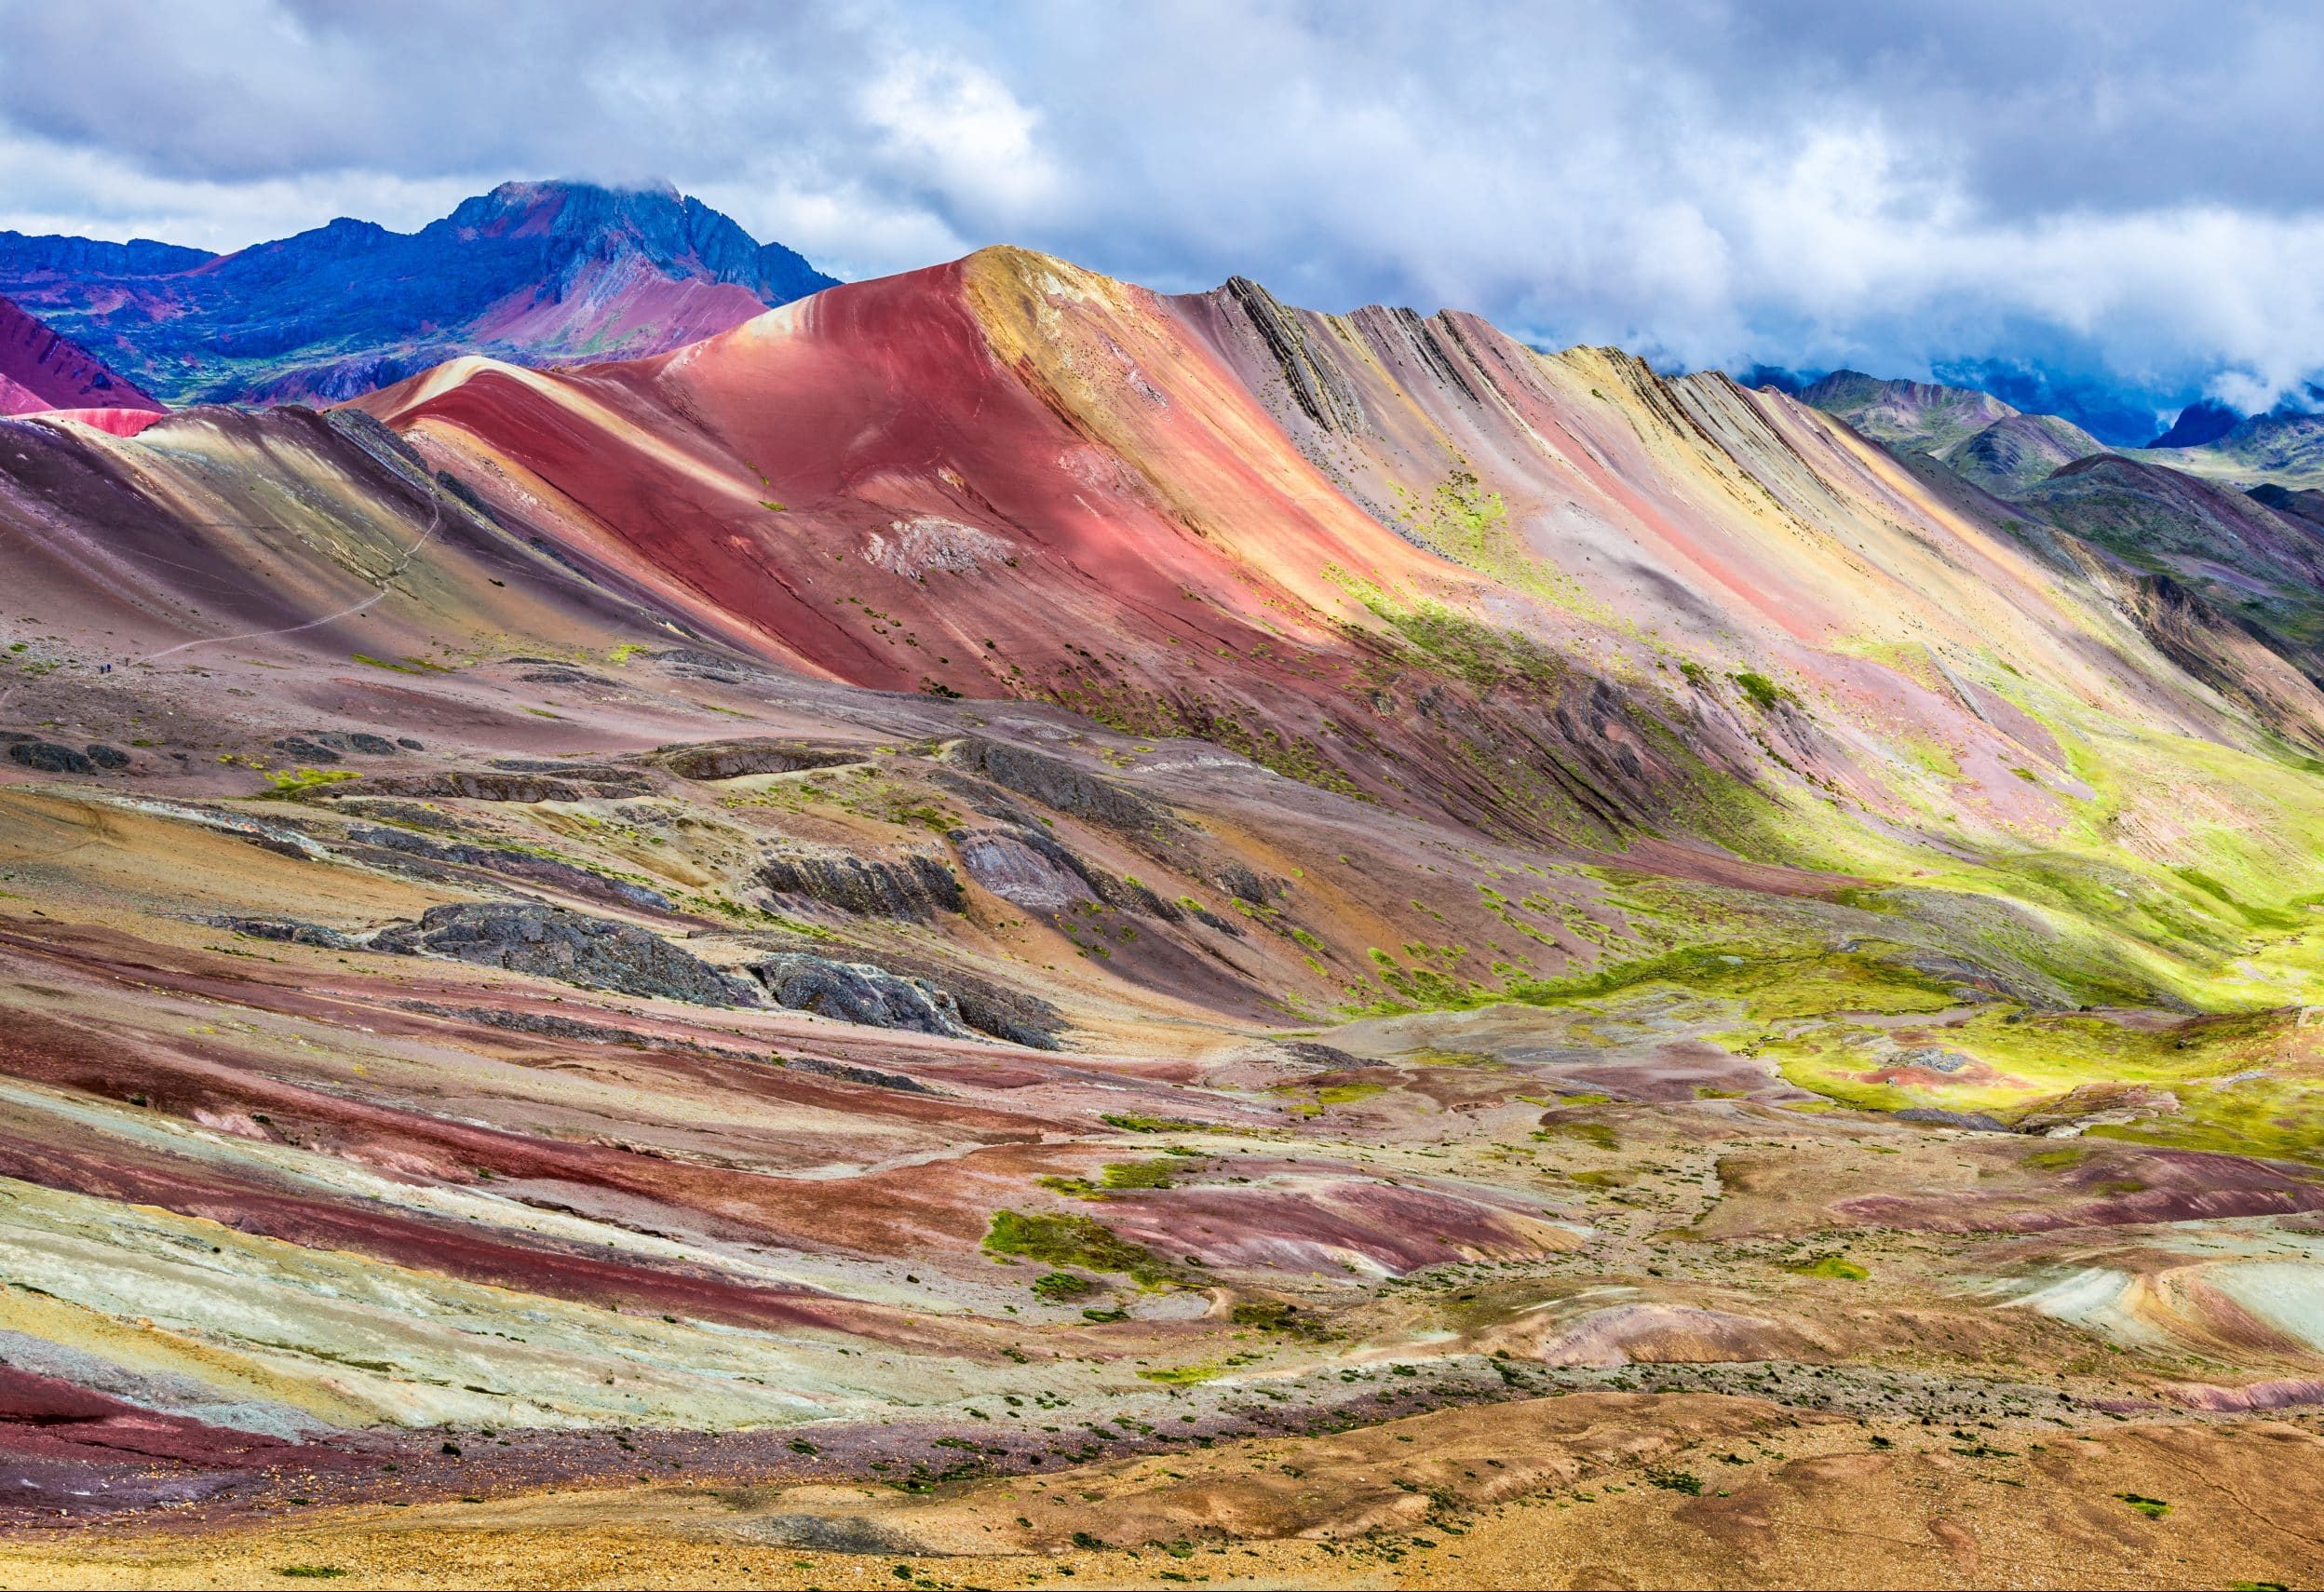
{"points": [[2019, 451], [1917, 414], [2108, 416], [53, 254], [2206, 420], [534, 273]]}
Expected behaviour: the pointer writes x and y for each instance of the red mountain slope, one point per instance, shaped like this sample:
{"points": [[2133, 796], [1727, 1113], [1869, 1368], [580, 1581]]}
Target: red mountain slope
{"points": [[1348, 547], [40, 369]]}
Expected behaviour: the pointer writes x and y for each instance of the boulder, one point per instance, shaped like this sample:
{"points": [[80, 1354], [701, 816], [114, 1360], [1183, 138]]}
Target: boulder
{"points": [[305, 750]]}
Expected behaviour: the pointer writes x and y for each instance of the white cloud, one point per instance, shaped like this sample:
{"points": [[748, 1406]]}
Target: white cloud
{"points": [[92, 193], [1711, 181], [958, 131]]}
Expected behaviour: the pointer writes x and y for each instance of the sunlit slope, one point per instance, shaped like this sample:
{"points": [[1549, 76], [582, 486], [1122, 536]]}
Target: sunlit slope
{"points": [[1741, 531], [1009, 478], [1557, 596]]}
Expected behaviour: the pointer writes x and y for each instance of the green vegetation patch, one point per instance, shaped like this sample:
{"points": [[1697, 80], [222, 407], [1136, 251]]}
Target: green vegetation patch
{"points": [[1131, 1121], [1483, 655], [1074, 1241], [1277, 1315], [1184, 1376], [1598, 1135], [1836, 1267], [2241, 1084], [400, 665], [1118, 1176], [1766, 695], [291, 784], [1062, 1288]]}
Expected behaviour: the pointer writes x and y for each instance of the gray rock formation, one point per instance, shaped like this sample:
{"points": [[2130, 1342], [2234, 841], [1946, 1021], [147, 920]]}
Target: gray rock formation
{"points": [[985, 1004], [731, 760], [495, 785], [290, 931], [869, 1077], [913, 885], [546, 870], [598, 953], [328, 746], [1033, 869], [1059, 784], [1019, 873], [47, 757], [856, 991]]}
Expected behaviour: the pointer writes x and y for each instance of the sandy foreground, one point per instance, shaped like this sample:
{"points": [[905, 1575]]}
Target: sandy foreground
{"points": [[1590, 1490]]}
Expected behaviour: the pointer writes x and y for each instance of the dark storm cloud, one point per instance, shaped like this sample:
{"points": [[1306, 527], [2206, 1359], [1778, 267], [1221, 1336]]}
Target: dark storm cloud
{"points": [[2121, 187]]}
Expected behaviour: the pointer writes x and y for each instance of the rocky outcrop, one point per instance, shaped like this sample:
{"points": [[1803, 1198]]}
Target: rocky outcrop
{"points": [[552, 942], [509, 864], [1007, 1014], [330, 745], [856, 991], [561, 768], [495, 785], [915, 885], [871, 1077], [1061, 784], [732, 760], [1316, 385], [1244, 884], [1030, 869], [290, 931], [49, 757], [1015, 870]]}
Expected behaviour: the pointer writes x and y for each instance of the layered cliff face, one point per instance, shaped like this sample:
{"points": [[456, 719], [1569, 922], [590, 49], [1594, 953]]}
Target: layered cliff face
{"points": [[540, 273], [994, 818]]}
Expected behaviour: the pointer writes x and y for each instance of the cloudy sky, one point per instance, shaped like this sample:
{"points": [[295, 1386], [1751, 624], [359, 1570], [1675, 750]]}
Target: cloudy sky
{"points": [[2123, 190]]}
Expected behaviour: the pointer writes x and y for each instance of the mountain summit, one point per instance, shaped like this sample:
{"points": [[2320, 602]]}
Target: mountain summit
{"points": [[1915, 414], [532, 273]]}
